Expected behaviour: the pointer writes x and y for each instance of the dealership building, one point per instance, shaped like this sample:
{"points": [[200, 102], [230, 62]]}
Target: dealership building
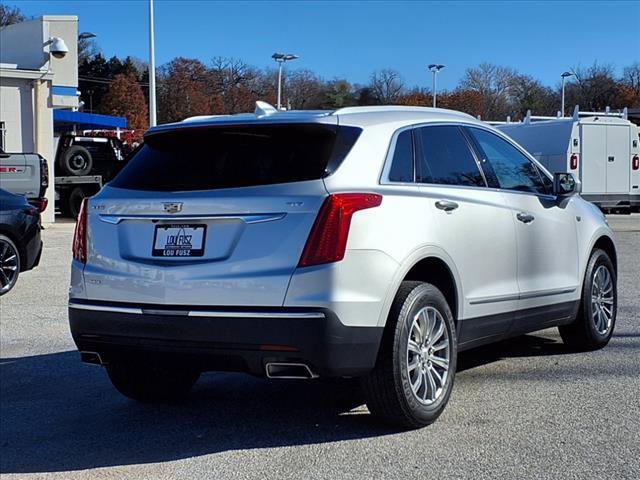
{"points": [[34, 82]]}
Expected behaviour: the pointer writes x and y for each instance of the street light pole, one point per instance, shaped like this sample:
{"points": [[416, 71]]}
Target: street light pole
{"points": [[280, 58], [152, 70], [279, 84], [564, 76], [435, 68]]}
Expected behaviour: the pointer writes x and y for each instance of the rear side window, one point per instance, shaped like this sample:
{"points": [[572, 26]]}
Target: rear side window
{"points": [[444, 157], [402, 163], [236, 156], [512, 169]]}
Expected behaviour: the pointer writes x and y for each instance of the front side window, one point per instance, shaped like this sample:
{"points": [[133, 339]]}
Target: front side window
{"points": [[402, 162], [444, 157], [511, 168]]}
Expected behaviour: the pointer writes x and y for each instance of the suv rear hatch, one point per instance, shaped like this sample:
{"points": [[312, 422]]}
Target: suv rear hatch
{"points": [[211, 215]]}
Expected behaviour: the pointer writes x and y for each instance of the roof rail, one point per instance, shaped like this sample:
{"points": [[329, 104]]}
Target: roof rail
{"points": [[575, 116], [380, 108], [607, 113], [395, 108]]}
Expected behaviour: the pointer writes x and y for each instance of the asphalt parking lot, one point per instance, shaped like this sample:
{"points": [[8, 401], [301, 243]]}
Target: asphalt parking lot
{"points": [[525, 408]]}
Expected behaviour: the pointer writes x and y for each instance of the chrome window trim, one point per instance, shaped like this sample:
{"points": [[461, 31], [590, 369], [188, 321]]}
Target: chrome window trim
{"points": [[384, 175], [526, 154]]}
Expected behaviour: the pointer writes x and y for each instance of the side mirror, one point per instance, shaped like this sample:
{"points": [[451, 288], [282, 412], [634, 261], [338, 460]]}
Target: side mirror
{"points": [[565, 185]]}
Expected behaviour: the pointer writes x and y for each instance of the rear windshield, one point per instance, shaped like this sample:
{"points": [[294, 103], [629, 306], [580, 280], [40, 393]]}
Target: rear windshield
{"points": [[236, 156]]}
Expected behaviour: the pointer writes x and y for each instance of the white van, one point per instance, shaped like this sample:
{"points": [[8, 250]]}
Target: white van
{"points": [[601, 148]]}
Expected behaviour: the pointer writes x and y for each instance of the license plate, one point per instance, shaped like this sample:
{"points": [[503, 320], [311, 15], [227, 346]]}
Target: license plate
{"points": [[179, 240]]}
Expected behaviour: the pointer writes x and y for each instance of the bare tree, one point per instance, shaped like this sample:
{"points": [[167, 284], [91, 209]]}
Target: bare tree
{"points": [[233, 84], [304, 89], [594, 87], [87, 49], [631, 77], [495, 84], [528, 93], [10, 15], [386, 85]]}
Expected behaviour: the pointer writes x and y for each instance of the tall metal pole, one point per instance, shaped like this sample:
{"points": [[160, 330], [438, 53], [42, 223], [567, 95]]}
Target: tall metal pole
{"points": [[434, 88], [280, 84], [563, 77], [435, 69], [152, 70]]}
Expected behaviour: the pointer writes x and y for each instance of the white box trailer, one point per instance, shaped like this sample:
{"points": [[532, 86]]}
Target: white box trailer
{"points": [[601, 148]]}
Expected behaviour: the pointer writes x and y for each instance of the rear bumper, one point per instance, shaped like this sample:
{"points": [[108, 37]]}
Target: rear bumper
{"points": [[226, 339]]}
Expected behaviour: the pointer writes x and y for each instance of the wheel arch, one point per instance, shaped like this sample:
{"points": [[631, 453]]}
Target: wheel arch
{"points": [[601, 239], [605, 242], [431, 265], [21, 250]]}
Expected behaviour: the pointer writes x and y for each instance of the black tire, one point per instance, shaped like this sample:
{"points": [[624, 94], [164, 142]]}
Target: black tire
{"points": [[9, 264], [583, 333], [150, 382], [77, 161], [73, 201], [388, 388]]}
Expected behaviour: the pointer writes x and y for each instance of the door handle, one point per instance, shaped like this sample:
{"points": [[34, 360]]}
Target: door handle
{"points": [[612, 158], [446, 205], [525, 217]]}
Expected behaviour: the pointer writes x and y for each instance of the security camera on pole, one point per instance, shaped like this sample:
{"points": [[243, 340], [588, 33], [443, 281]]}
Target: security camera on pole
{"points": [[57, 47]]}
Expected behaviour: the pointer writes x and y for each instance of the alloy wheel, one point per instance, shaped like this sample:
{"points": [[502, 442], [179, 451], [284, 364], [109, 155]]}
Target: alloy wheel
{"points": [[8, 266], [428, 355], [602, 301]]}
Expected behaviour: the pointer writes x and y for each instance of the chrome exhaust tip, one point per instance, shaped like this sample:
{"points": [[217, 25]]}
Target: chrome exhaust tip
{"points": [[284, 370], [92, 357]]}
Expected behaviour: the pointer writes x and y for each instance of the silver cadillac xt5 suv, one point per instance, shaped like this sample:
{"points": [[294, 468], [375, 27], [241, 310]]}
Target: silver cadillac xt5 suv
{"points": [[370, 242]]}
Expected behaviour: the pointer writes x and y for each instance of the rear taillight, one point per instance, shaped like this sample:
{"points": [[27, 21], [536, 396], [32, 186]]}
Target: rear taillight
{"points": [[44, 174], [573, 162], [635, 162], [39, 205], [43, 204], [80, 235], [327, 241]]}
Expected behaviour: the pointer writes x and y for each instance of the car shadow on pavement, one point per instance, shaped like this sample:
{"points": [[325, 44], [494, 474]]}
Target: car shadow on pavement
{"points": [[58, 414], [523, 346]]}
